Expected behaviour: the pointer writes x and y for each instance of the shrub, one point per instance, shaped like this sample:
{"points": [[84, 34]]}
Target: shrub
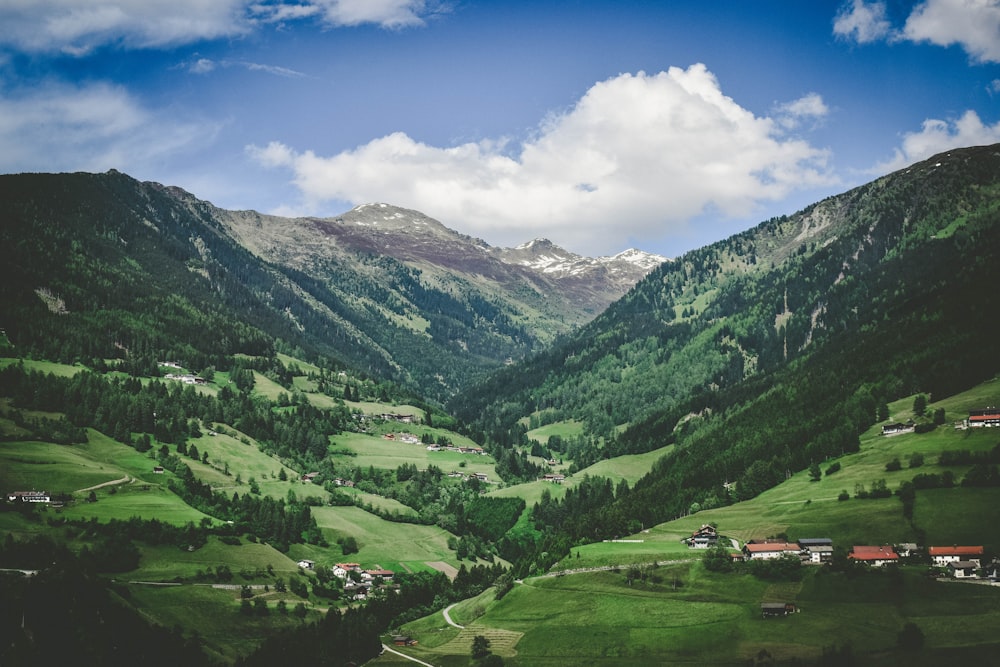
{"points": [[893, 465], [834, 467]]}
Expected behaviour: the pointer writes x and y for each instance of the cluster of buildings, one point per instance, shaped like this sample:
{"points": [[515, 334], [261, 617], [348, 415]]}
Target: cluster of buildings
{"points": [[358, 582], [29, 496], [960, 562]]}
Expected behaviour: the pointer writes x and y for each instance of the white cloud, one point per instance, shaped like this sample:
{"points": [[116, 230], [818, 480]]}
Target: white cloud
{"points": [[385, 13], [974, 24], [809, 107], [862, 22], [77, 27], [56, 127], [644, 153], [936, 136], [205, 66], [994, 86]]}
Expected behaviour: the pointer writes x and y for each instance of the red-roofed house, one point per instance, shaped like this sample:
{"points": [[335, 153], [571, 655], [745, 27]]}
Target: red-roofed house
{"points": [[876, 556], [989, 417], [944, 555], [767, 550]]}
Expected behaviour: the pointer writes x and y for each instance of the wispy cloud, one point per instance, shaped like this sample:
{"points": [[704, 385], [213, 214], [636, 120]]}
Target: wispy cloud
{"points": [[643, 153], [808, 108], [972, 24], [206, 66], [392, 14], [95, 127], [862, 22], [936, 136], [77, 27]]}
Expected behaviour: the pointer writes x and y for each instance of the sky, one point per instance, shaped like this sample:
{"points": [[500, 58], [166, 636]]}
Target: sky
{"points": [[600, 125]]}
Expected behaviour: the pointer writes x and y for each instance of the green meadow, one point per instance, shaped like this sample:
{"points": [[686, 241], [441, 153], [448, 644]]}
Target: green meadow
{"points": [[631, 467], [226, 634], [686, 615], [396, 546], [374, 450], [564, 429]]}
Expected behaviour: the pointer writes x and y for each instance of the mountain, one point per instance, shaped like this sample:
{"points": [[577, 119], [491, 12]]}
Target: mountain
{"points": [[772, 349], [102, 266], [554, 288]]}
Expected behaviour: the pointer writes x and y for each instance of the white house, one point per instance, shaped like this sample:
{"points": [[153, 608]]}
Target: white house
{"points": [[942, 556]]}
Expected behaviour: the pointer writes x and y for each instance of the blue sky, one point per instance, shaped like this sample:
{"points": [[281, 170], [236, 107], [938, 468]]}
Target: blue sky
{"points": [[599, 125]]}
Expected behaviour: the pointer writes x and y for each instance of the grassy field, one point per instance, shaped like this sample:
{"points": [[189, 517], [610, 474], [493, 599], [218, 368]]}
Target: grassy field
{"points": [[373, 450], [631, 467], [226, 633], [165, 563], [61, 370], [564, 429], [690, 616], [396, 546]]}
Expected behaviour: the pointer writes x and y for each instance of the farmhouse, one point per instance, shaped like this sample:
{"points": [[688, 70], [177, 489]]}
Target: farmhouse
{"points": [[310, 476], [555, 479], [898, 427], [403, 640], [979, 418], [158, 470], [29, 496], [481, 476], [816, 549], [875, 556], [340, 570], [944, 555], [384, 574], [703, 538], [768, 550], [306, 564], [963, 569]]}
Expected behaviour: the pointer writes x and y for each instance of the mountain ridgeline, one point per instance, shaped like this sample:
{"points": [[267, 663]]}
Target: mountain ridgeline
{"points": [[773, 349], [101, 266]]}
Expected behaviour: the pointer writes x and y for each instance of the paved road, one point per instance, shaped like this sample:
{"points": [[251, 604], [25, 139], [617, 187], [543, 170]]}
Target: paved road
{"points": [[408, 657], [447, 616]]}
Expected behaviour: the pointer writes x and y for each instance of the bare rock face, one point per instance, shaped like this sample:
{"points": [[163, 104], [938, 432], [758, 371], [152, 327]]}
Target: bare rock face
{"points": [[566, 286]]}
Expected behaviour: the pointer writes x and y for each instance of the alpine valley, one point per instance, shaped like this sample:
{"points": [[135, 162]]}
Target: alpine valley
{"points": [[255, 440]]}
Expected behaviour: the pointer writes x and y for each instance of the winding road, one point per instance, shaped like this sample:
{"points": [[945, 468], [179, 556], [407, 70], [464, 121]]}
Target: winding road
{"points": [[447, 616], [124, 480], [408, 657]]}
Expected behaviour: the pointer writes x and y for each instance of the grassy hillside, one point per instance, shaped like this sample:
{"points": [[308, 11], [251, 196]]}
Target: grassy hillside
{"points": [[684, 614]]}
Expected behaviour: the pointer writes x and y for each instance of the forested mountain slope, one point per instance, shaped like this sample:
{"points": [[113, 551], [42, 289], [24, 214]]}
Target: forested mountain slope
{"points": [[101, 266], [776, 347]]}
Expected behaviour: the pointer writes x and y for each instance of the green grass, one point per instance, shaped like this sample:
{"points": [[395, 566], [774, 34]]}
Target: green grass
{"points": [[396, 546], [167, 562], [631, 467], [61, 370], [564, 429], [373, 450], [214, 613], [690, 616], [267, 387], [135, 500]]}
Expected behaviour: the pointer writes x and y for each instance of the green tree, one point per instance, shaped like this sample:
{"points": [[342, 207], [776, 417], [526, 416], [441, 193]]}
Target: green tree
{"points": [[480, 647], [814, 472], [919, 405]]}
